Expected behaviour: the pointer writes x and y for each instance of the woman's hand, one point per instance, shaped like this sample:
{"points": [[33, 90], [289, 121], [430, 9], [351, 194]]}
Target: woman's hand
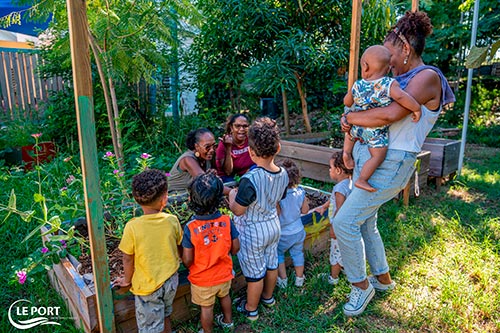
{"points": [[344, 124], [227, 140]]}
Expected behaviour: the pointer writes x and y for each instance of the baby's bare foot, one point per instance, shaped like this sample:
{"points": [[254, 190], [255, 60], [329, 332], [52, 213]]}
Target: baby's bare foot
{"points": [[363, 184]]}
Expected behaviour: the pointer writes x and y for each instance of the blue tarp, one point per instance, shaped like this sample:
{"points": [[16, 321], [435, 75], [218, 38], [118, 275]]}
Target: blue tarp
{"points": [[16, 18]]}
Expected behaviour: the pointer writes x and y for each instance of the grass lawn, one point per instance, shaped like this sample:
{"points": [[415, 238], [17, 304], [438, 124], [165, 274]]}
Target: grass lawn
{"points": [[444, 253]]}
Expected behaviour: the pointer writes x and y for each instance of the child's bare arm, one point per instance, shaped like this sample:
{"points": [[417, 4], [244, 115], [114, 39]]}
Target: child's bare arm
{"points": [[348, 99], [321, 209], [235, 246], [128, 271], [339, 201], [235, 207], [305, 206], [188, 256], [406, 100]]}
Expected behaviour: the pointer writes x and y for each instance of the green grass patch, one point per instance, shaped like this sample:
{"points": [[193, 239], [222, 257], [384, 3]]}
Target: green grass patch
{"points": [[444, 253]]}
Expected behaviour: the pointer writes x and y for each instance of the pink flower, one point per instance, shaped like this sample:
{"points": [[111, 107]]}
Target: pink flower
{"points": [[70, 179], [121, 174], [21, 275], [145, 156], [36, 135], [115, 171], [63, 243], [167, 174], [64, 188], [109, 154], [44, 250], [67, 159]]}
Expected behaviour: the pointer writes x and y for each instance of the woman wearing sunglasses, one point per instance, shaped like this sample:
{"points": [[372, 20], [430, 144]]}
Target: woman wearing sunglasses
{"points": [[196, 160]]}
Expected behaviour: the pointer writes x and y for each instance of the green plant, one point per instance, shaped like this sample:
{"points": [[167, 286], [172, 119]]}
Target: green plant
{"points": [[17, 133], [41, 216]]}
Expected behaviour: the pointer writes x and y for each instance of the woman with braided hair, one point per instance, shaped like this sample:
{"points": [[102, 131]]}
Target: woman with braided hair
{"points": [[356, 222]]}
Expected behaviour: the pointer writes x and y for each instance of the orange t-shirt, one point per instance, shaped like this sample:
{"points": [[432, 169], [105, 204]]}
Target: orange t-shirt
{"points": [[211, 237]]}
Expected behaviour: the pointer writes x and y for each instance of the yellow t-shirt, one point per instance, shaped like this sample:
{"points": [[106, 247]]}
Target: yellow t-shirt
{"points": [[152, 239]]}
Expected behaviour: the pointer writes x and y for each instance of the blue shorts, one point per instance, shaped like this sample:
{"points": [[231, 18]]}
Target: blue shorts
{"points": [[294, 244]]}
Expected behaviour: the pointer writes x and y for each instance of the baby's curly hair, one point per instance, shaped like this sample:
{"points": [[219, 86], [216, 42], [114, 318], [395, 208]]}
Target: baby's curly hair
{"points": [[205, 193], [264, 137], [148, 186], [414, 27], [293, 171], [338, 162]]}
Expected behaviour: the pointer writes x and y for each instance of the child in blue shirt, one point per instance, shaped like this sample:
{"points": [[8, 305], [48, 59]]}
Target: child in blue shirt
{"points": [[292, 230]]}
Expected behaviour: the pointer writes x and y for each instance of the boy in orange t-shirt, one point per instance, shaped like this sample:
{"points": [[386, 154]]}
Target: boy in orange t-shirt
{"points": [[208, 240]]}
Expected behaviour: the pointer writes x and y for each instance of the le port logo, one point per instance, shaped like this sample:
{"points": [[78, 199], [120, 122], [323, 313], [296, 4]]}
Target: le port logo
{"points": [[23, 315]]}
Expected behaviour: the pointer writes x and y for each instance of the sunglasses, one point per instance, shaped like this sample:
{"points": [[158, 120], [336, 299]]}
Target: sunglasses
{"points": [[238, 126]]}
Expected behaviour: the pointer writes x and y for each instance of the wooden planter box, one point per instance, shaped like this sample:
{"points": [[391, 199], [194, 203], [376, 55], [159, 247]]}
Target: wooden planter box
{"points": [[313, 161], [444, 156], [81, 298]]}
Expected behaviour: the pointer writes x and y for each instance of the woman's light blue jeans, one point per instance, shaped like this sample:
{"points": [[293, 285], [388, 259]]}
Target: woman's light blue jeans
{"points": [[355, 224]]}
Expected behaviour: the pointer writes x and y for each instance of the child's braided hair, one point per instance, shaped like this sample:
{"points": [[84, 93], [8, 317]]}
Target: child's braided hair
{"points": [[205, 193]]}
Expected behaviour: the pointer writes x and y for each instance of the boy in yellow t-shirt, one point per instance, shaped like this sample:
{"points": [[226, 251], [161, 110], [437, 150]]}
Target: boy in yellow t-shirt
{"points": [[151, 252]]}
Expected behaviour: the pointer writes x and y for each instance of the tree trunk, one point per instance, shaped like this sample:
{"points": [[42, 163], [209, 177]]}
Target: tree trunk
{"points": [[285, 111], [303, 101], [115, 138]]}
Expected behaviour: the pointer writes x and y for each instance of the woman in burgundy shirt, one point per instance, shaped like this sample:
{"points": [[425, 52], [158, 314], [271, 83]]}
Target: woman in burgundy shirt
{"points": [[232, 157]]}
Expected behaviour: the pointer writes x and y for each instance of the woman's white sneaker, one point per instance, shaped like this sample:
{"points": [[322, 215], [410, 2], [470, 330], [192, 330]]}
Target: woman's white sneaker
{"points": [[358, 300], [381, 286]]}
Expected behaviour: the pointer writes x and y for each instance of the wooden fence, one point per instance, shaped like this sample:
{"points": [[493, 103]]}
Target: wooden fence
{"points": [[22, 90]]}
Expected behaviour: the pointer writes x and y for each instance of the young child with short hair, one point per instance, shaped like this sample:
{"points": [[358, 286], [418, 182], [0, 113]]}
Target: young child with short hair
{"points": [[292, 230], [254, 203], [151, 252], [374, 90], [341, 175], [208, 240]]}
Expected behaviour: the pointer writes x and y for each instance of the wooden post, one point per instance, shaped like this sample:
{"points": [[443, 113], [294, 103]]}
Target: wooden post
{"points": [[414, 5], [354, 46], [82, 81]]}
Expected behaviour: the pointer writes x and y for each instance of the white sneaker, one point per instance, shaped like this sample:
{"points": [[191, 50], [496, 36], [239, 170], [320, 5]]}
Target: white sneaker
{"points": [[299, 280], [331, 280], [358, 300], [282, 283], [380, 286]]}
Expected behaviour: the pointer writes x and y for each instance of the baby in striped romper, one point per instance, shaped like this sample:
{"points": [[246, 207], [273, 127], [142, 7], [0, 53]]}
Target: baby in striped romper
{"points": [[254, 204]]}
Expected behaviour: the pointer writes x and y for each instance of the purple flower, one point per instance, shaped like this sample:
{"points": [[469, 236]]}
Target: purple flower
{"points": [[44, 250], [36, 135], [21, 275], [115, 171], [145, 156], [63, 243], [70, 179], [109, 154], [167, 174]]}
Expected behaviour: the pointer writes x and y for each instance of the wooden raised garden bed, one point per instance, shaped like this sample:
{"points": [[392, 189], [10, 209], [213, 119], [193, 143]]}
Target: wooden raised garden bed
{"points": [[314, 162], [80, 296], [444, 158]]}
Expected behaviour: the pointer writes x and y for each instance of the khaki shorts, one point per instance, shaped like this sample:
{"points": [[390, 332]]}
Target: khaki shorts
{"points": [[205, 296], [151, 310]]}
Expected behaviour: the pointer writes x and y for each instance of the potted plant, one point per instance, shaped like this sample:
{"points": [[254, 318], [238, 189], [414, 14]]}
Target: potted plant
{"points": [[17, 140]]}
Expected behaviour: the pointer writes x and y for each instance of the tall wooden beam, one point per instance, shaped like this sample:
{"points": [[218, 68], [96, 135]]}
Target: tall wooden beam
{"points": [[354, 46], [82, 81], [414, 5]]}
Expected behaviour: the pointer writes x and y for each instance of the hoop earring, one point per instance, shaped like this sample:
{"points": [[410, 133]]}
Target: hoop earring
{"points": [[197, 154], [406, 60]]}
